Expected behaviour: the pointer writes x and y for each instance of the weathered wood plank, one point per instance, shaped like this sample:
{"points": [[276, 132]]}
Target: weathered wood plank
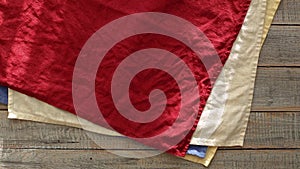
{"points": [[273, 130], [46, 159], [282, 47], [288, 12], [265, 130], [277, 89]]}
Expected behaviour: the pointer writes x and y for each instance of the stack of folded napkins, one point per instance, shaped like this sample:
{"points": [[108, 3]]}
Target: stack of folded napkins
{"points": [[174, 76]]}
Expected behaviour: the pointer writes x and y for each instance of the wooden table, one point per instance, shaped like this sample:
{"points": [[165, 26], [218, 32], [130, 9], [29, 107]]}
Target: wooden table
{"points": [[272, 139]]}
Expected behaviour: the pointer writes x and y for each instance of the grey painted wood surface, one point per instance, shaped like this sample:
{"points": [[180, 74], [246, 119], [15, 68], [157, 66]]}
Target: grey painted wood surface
{"points": [[54, 159], [277, 89], [265, 130], [281, 48], [288, 12], [272, 138]]}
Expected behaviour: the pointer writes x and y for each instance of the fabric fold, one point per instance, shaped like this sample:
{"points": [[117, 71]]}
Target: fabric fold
{"points": [[45, 40], [212, 140], [40, 113], [226, 114], [26, 116]]}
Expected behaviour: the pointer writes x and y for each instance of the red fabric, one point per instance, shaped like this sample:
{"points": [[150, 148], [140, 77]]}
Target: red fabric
{"points": [[40, 41]]}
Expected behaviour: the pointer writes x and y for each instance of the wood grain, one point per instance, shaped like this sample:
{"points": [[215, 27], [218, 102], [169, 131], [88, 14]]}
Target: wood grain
{"points": [[282, 47], [47, 159], [288, 12], [277, 89], [265, 130], [273, 130]]}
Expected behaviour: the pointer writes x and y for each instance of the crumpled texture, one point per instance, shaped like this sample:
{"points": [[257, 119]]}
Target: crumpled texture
{"points": [[23, 107], [42, 39], [40, 111], [43, 112], [3, 95], [226, 114]]}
